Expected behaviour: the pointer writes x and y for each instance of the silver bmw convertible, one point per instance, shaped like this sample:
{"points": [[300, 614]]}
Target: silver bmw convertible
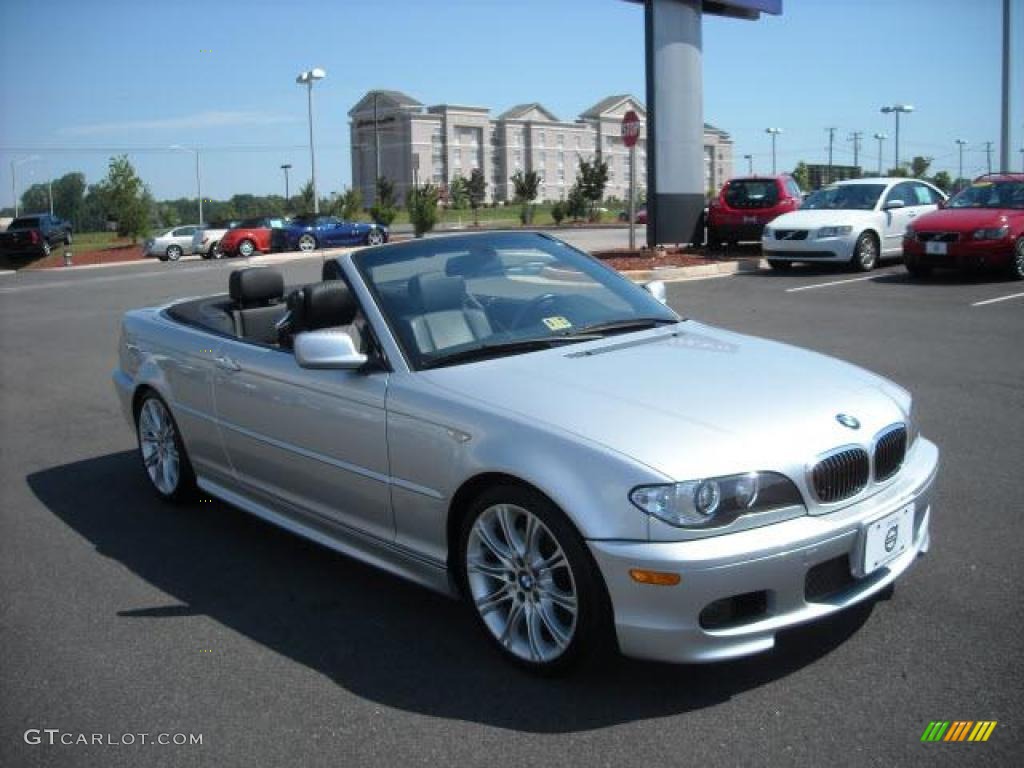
{"points": [[503, 418]]}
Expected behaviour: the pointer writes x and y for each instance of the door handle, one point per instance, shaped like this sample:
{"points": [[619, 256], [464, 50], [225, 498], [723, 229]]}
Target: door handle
{"points": [[226, 363]]}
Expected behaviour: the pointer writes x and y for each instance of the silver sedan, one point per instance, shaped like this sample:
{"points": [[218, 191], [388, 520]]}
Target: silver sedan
{"points": [[172, 244], [502, 418]]}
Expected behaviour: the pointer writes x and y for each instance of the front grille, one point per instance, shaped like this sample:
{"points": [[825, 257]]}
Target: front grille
{"points": [[841, 475], [790, 234], [938, 237], [890, 449], [827, 579]]}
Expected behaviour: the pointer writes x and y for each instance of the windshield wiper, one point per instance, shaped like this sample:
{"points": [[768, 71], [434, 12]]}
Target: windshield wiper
{"points": [[501, 348], [632, 324]]}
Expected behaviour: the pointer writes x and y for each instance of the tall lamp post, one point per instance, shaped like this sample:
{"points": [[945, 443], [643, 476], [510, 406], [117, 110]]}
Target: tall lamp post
{"points": [[897, 109], [750, 164], [14, 178], [287, 196], [773, 132], [307, 79], [961, 143], [881, 138], [199, 178]]}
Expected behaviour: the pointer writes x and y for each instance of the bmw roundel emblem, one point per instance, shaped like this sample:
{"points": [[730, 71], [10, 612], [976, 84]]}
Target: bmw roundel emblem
{"points": [[850, 422]]}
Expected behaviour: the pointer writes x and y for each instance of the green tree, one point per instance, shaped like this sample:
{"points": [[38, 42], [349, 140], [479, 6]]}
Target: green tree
{"points": [[69, 197], [305, 198], [592, 178], [422, 205], [943, 181], [127, 198], [383, 210], [919, 166], [527, 187], [558, 211], [576, 202], [35, 199], [458, 194], [900, 172], [476, 189], [351, 204], [802, 176]]}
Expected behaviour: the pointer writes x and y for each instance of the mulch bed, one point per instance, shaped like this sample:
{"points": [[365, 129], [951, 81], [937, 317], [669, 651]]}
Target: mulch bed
{"points": [[626, 260], [112, 255]]}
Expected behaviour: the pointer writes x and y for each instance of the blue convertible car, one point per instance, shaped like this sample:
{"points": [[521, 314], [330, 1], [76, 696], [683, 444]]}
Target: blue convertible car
{"points": [[307, 233]]}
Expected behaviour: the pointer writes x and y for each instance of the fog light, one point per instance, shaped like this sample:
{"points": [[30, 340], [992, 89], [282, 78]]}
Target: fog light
{"points": [[658, 578]]}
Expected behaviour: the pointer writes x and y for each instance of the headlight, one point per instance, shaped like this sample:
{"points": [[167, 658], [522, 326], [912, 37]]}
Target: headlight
{"points": [[834, 231], [995, 233], [715, 501]]}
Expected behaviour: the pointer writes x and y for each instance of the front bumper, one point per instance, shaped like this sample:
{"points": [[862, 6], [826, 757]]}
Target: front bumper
{"points": [[963, 254], [826, 249], [664, 623]]}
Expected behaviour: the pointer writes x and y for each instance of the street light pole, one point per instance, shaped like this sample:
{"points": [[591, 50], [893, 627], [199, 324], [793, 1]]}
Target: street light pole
{"points": [[881, 137], [199, 178], [287, 197], [896, 109], [1004, 138], [750, 164], [773, 132], [308, 78], [961, 143], [376, 142]]}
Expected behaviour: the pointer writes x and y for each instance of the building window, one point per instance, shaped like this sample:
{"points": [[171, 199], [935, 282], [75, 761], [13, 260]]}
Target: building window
{"points": [[561, 141], [517, 138], [540, 138], [561, 175], [577, 141]]}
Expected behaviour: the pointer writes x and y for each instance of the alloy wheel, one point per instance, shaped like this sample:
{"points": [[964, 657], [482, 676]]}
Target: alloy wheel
{"points": [[1018, 259], [374, 237], [307, 243], [173, 253], [867, 253], [158, 446], [246, 248], [521, 583]]}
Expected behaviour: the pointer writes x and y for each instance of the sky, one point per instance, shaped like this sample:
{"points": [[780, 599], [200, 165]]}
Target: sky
{"points": [[142, 76]]}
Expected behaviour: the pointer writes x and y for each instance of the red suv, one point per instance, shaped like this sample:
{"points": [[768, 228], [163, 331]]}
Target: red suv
{"points": [[746, 204], [982, 225]]}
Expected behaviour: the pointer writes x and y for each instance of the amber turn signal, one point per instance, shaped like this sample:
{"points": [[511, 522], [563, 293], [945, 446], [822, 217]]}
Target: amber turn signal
{"points": [[658, 578]]}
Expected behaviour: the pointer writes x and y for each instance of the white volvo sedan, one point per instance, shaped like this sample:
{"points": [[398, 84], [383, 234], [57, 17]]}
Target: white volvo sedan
{"points": [[855, 222]]}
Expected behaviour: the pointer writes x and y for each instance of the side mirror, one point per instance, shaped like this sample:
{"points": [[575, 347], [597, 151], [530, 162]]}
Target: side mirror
{"points": [[657, 289], [942, 202], [327, 349], [890, 204]]}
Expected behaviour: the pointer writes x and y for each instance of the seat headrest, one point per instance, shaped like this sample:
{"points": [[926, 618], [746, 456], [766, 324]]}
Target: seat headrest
{"points": [[321, 305], [479, 261], [435, 292], [331, 270], [255, 285]]}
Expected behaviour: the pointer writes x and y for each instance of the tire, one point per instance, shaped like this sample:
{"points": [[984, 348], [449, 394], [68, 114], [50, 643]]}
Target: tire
{"points": [[162, 451], [215, 252], [374, 237], [917, 270], [714, 239], [780, 266], [307, 243], [541, 618], [47, 248], [173, 253], [1017, 260], [246, 248], [865, 253]]}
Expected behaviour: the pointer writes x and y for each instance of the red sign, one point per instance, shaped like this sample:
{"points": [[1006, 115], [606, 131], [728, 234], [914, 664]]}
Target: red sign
{"points": [[630, 128]]}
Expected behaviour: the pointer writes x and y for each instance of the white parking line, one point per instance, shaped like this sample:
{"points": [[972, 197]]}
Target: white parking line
{"points": [[826, 285], [1000, 298]]}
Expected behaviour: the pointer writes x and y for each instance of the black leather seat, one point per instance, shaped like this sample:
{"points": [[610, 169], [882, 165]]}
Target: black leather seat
{"points": [[331, 270], [256, 294], [446, 319], [329, 304]]}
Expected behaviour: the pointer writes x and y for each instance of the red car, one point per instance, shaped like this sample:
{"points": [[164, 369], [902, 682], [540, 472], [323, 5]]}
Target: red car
{"points": [[980, 226], [250, 236], [746, 204]]}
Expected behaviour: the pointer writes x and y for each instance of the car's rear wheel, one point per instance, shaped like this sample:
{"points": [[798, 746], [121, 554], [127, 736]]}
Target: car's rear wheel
{"points": [[173, 252], [307, 243], [162, 450], [530, 580], [865, 253], [1017, 262], [374, 237], [246, 248], [47, 250], [780, 266]]}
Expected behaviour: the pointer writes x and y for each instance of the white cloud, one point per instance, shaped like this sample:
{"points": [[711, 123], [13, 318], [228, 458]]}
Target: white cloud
{"points": [[184, 122]]}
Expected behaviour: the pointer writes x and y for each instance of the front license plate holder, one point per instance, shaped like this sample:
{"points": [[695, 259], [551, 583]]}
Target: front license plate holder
{"points": [[886, 538], [938, 249]]}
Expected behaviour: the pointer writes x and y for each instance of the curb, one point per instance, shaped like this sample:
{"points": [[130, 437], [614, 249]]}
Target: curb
{"points": [[696, 272], [263, 258]]}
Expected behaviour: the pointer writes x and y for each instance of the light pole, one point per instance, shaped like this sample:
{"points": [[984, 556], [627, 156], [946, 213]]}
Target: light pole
{"points": [[376, 142], [199, 178], [287, 197], [881, 137], [897, 109], [750, 164], [773, 132], [14, 178], [307, 79], [961, 143]]}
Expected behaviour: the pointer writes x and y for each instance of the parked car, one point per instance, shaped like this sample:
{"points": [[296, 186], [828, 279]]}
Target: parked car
{"points": [[641, 216], [206, 239], [746, 204], [34, 235], [172, 244], [981, 226], [250, 236], [307, 233], [452, 410], [855, 222]]}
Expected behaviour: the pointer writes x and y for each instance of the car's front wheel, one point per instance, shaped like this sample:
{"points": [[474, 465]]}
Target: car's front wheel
{"points": [[162, 450], [1017, 262], [865, 253], [307, 243], [173, 252], [530, 580], [246, 248], [374, 237]]}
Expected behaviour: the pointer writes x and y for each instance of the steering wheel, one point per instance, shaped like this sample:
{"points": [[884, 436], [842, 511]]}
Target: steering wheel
{"points": [[533, 306]]}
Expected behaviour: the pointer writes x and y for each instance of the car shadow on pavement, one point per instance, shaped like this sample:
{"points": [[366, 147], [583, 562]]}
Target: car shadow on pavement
{"points": [[379, 637]]}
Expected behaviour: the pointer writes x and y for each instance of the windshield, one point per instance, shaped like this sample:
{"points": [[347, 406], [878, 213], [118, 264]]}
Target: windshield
{"points": [[989, 194], [751, 193], [845, 197], [502, 293], [25, 223]]}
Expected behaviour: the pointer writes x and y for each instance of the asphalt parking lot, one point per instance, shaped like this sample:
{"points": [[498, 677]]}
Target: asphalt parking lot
{"points": [[122, 615]]}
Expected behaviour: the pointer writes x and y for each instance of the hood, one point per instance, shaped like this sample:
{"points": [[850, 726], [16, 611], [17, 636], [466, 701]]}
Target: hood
{"points": [[812, 219], [962, 219], [688, 400]]}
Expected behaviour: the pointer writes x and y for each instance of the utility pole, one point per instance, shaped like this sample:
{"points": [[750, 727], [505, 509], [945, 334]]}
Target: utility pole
{"points": [[831, 137], [988, 155], [881, 137], [960, 143], [855, 138], [1004, 133]]}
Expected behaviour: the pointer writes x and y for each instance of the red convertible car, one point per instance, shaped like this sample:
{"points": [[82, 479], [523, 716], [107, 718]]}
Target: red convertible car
{"points": [[250, 236]]}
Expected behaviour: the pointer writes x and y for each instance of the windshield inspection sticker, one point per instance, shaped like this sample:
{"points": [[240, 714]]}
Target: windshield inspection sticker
{"points": [[557, 323]]}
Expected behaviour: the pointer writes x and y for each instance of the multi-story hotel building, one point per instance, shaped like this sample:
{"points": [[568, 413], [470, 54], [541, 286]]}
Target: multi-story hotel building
{"points": [[395, 136]]}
